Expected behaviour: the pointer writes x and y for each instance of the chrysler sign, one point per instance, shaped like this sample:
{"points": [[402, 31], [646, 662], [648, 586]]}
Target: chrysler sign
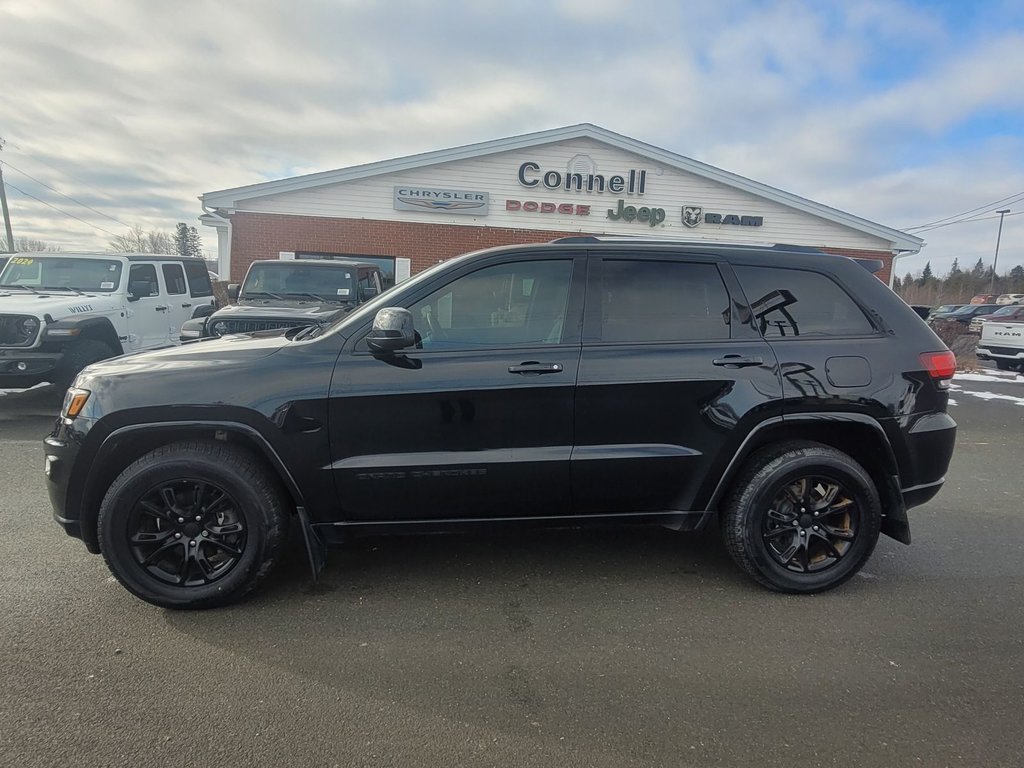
{"points": [[441, 200]]}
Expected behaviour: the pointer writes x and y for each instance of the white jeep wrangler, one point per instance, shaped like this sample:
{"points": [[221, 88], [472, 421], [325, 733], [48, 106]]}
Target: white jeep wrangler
{"points": [[59, 312]]}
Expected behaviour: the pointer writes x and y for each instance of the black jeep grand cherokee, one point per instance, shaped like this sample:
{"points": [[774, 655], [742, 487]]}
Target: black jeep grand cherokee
{"points": [[788, 393]]}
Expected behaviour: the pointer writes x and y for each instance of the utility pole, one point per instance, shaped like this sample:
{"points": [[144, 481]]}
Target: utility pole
{"points": [[995, 261], [3, 204]]}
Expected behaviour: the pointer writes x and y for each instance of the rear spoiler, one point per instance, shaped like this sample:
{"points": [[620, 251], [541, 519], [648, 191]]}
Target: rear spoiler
{"points": [[871, 265]]}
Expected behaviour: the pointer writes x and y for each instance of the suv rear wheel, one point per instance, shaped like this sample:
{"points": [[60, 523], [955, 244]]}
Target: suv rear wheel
{"points": [[802, 517], [192, 525]]}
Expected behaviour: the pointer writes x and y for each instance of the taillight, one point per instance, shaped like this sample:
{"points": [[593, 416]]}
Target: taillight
{"points": [[940, 365]]}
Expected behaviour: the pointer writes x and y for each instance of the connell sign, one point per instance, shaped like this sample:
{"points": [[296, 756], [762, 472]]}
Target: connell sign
{"points": [[632, 183]]}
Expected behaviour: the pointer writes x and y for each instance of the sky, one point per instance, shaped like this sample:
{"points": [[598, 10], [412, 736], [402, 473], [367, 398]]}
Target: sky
{"points": [[122, 112]]}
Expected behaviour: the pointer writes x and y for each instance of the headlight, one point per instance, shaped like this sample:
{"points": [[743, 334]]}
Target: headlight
{"points": [[18, 330], [218, 329], [29, 326], [74, 402]]}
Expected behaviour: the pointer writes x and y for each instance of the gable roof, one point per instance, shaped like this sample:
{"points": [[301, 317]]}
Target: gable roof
{"points": [[228, 199]]}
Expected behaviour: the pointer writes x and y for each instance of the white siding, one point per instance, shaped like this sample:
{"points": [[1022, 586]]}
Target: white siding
{"points": [[667, 188]]}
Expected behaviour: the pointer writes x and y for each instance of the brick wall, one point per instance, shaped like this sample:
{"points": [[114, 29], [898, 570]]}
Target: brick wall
{"points": [[264, 235], [885, 256]]}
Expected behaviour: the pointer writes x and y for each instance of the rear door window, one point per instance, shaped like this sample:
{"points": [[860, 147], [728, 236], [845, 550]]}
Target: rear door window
{"points": [[174, 278], [662, 301], [786, 303]]}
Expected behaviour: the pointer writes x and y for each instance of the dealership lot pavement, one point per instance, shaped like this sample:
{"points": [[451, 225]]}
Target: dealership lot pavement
{"points": [[597, 648]]}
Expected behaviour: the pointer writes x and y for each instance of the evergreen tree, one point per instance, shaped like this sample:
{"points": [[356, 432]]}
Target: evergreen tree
{"points": [[195, 243], [1017, 276], [926, 274], [187, 242], [979, 269], [955, 271]]}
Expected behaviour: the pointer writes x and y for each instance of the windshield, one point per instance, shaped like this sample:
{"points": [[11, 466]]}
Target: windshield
{"points": [[1005, 311], [62, 272], [298, 280], [388, 297]]}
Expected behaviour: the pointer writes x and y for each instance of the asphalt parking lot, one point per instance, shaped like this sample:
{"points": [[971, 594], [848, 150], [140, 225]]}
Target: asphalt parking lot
{"points": [[596, 648]]}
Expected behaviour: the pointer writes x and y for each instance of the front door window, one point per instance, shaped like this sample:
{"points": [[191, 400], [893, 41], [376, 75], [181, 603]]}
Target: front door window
{"points": [[505, 305]]}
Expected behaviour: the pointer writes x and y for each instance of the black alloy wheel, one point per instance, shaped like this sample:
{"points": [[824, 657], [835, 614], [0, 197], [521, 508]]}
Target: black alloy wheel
{"points": [[193, 524], [811, 525], [802, 517], [187, 532]]}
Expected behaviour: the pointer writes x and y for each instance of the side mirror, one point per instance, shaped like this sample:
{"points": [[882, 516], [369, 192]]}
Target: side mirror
{"points": [[392, 329], [138, 290], [192, 329], [233, 289]]}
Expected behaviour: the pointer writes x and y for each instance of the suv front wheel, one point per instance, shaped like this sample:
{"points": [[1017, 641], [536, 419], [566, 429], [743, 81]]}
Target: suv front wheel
{"points": [[802, 517], [192, 525]]}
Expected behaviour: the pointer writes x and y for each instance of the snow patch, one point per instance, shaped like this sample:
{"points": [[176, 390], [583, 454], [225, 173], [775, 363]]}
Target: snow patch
{"points": [[993, 396], [990, 377], [16, 391]]}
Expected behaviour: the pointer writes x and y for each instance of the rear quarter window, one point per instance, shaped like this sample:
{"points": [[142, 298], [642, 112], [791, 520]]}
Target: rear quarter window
{"points": [[198, 279], [787, 303]]}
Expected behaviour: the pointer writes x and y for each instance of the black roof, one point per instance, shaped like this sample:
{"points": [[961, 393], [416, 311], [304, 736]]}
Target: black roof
{"points": [[315, 263]]}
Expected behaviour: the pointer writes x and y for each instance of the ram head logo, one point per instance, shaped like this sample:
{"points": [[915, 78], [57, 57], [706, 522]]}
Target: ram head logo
{"points": [[691, 215]]}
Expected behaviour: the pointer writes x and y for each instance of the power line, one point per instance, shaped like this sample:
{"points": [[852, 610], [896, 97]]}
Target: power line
{"points": [[69, 197], [969, 221], [1015, 197], [71, 215]]}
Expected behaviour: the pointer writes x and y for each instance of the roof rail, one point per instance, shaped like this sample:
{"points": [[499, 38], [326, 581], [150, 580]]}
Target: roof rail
{"points": [[675, 241]]}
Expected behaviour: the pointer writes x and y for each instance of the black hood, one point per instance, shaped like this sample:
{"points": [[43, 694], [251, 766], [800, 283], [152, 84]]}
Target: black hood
{"points": [[259, 309]]}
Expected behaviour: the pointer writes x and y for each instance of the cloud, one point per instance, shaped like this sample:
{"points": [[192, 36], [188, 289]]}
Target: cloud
{"points": [[898, 112]]}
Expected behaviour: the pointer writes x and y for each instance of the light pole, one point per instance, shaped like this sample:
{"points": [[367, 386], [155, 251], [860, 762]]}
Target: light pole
{"points": [[995, 261]]}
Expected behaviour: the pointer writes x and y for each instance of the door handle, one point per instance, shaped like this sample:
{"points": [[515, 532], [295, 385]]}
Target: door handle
{"points": [[161, 308], [535, 368], [185, 306], [737, 361]]}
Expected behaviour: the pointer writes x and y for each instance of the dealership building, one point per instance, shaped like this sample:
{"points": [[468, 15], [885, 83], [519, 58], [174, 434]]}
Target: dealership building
{"points": [[411, 212]]}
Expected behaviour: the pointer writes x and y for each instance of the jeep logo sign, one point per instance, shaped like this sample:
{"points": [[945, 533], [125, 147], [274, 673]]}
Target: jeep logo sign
{"points": [[653, 216]]}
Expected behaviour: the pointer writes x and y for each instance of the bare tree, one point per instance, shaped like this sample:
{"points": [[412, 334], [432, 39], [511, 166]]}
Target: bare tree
{"points": [[137, 240], [24, 244]]}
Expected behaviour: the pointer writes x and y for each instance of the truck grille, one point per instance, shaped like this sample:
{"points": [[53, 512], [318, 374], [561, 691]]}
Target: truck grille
{"points": [[224, 327], [18, 330]]}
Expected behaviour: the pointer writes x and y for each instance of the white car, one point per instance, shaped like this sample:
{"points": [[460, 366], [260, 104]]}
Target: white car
{"points": [[59, 312], [1010, 298]]}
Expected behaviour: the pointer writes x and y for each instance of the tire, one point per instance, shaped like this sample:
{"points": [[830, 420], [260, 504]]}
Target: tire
{"points": [[1005, 365], [156, 548], [770, 511], [77, 356]]}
